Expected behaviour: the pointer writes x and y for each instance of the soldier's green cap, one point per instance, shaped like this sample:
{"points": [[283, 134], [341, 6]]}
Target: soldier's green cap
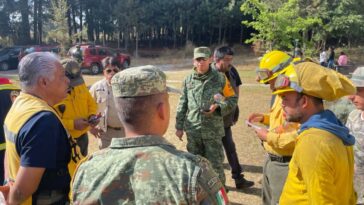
{"points": [[139, 81], [201, 52]]}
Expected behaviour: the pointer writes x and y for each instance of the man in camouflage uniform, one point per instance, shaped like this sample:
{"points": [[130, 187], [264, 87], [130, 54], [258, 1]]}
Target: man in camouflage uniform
{"points": [[206, 97], [355, 123], [143, 168]]}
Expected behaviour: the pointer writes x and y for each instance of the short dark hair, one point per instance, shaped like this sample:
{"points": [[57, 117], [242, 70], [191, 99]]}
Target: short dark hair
{"points": [[316, 101], [110, 60], [222, 51], [135, 112]]}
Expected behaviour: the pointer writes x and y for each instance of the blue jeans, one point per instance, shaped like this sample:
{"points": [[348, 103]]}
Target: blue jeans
{"points": [[330, 64]]}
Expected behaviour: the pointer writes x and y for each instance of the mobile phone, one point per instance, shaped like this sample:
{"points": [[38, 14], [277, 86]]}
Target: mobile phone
{"points": [[252, 125], [94, 118]]}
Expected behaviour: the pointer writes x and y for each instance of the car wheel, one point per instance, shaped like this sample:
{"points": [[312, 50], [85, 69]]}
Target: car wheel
{"points": [[126, 64], [95, 69], [4, 66]]}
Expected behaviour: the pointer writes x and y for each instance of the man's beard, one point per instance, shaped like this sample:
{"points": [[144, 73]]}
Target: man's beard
{"points": [[296, 117]]}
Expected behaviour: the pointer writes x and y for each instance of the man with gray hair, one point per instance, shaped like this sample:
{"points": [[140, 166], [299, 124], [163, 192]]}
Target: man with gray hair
{"points": [[143, 168], [37, 146], [355, 123]]}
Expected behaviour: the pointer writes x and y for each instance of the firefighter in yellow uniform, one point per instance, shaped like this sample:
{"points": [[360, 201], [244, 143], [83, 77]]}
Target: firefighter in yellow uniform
{"points": [[322, 166], [76, 112], [7, 92], [279, 139]]}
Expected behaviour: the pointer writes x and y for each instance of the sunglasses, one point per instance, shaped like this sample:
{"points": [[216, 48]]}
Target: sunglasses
{"points": [[111, 70]]}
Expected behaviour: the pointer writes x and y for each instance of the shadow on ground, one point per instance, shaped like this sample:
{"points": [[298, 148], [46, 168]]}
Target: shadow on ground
{"points": [[251, 190], [247, 168]]}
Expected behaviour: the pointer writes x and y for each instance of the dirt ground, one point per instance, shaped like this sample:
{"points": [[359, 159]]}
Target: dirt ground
{"points": [[253, 98]]}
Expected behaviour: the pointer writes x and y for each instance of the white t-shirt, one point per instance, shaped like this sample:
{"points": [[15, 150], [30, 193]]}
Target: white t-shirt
{"points": [[323, 56]]}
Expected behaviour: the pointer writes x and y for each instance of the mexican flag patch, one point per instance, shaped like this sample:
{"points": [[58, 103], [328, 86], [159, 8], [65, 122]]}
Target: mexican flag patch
{"points": [[221, 197]]}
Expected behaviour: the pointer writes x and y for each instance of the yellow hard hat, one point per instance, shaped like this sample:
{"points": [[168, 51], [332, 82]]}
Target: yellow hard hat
{"points": [[314, 80], [273, 64]]}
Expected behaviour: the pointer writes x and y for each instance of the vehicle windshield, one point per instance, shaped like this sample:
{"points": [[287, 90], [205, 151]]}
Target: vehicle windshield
{"points": [[113, 52]]}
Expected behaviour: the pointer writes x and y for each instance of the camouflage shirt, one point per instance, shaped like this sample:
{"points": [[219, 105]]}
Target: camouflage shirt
{"points": [[145, 170], [341, 108], [198, 94], [355, 123]]}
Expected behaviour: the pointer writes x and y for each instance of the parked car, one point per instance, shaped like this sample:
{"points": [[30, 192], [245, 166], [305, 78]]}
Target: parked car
{"points": [[10, 56], [42, 48], [92, 56]]}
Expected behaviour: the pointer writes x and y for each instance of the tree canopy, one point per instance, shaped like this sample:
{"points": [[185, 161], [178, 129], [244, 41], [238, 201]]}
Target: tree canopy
{"points": [[315, 23], [126, 23], [133, 24]]}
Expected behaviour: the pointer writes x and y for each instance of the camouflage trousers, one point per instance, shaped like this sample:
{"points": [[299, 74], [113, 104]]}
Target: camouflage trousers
{"points": [[359, 183], [211, 149]]}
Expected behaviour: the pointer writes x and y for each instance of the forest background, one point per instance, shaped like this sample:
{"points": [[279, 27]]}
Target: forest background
{"points": [[134, 25]]}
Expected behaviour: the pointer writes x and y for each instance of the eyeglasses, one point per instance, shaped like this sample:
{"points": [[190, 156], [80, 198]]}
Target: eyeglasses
{"points": [[110, 70], [201, 59]]}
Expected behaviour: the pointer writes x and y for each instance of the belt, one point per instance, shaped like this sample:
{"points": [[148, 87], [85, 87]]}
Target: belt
{"points": [[277, 158], [114, 128]]}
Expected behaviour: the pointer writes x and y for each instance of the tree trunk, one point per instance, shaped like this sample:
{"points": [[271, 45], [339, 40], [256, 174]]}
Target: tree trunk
{"points": [[81, 20], [69, 24], [187, 31], [40, 22], [126, 38], [150, 37], [90, 24], [220, 29], [119, 38], [73, 10], [35, 22], [103, 38], [136, 43], [241, 34], [174, 35], [25, 26]]}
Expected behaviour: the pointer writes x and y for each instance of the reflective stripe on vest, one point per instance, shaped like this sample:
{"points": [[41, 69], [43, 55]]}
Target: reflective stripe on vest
{"points": [[2, 146], [24, 107], [8, 87]]}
